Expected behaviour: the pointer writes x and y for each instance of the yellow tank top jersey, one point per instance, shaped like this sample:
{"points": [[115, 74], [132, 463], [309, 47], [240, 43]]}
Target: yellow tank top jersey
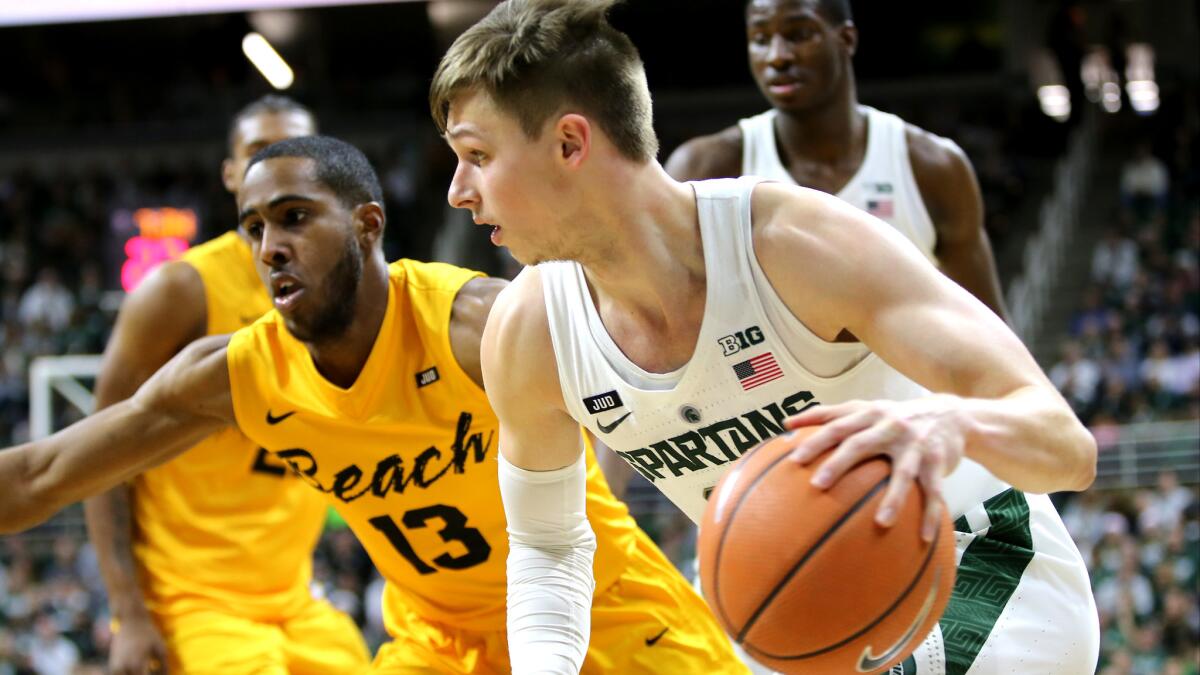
{"points": [[407, 454], [226, 525]]}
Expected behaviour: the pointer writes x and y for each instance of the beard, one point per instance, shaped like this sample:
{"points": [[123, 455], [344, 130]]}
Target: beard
{"points": [[339, 295]]}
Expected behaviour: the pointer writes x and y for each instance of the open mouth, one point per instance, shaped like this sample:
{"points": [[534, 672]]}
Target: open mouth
{"points": [[285, 291]]}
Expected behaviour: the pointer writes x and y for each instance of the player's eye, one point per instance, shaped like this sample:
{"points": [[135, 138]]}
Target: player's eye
{"points": [[253, 230], [293, 216], [477, 157]]}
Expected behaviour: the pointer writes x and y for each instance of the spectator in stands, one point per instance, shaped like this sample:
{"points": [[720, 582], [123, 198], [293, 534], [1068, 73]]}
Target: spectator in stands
{"points": [[1115, 260], [1076, 376], [1144, 180], [49, 652], [47, 303]]}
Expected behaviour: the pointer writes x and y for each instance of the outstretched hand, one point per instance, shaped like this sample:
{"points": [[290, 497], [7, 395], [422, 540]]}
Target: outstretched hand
{"points": [[924, 438]]}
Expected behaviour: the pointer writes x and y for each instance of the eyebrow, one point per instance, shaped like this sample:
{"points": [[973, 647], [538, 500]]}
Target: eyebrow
{"points": [[249, 211], [462, 130]]}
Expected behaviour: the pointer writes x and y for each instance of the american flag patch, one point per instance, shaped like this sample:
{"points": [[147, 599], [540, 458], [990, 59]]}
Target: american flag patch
{"points": [[880, 208], [758, 370]]}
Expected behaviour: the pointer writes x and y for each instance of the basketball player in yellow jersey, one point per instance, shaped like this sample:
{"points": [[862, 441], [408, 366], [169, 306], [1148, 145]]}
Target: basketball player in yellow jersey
{"points": [[207, 559], [366, 379]]}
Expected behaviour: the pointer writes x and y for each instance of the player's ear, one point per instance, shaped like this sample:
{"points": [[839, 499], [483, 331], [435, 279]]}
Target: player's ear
{"points": [[368, 223], [573, 133], [848, 34], [228, 167]]}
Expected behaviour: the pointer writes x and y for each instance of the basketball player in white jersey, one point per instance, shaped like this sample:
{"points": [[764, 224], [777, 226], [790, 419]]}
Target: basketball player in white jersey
{"points": [[687, 321], [818, 135]]}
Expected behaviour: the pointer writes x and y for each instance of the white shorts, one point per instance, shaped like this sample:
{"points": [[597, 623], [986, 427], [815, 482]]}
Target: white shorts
{"points": [[1022, 600]]}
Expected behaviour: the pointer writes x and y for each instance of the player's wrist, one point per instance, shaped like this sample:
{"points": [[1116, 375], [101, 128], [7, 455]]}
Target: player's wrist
{"points": [[129, 609]]}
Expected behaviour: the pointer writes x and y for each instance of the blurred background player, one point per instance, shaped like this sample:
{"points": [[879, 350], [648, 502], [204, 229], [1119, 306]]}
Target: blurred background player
{"points": [[208, 558], [818, 135]]}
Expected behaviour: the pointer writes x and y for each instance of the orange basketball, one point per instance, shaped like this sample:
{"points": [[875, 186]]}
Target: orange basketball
{"points": [[805, 580]]}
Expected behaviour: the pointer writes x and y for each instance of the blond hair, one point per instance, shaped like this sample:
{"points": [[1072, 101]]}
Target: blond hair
{"points": [[536, 58]]}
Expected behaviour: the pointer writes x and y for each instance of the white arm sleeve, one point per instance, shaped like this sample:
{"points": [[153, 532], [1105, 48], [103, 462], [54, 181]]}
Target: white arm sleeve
{"points": [[550, 580]]}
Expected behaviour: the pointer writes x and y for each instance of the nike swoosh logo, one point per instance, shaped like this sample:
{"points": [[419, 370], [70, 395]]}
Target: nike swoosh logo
{"points": [[869, 663], [607, 428], [651, 641], [271, 419]]}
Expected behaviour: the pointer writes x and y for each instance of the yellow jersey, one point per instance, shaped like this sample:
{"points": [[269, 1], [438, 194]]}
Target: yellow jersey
{"points": [[226, 525], [407, 454]]}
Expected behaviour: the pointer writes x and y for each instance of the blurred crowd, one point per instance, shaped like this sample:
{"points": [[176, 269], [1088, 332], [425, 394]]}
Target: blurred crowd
{"points": [[1143, 549], [1134, 348]]}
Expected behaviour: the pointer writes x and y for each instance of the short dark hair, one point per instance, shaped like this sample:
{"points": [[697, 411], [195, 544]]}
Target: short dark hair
{"points": [[836, 12], [537, 58], [270, 104], [341, 167]]}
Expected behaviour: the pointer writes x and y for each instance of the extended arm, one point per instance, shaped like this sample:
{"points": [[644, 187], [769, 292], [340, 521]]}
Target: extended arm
{"points": [[951, 192], [183, 403], [156, 321], [543, 484]]}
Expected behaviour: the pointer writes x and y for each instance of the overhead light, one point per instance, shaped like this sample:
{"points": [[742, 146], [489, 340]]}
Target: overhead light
{"points": [[1139, 78], [267, 60], [1055, 101], [1143, 95], [1110, 97]]}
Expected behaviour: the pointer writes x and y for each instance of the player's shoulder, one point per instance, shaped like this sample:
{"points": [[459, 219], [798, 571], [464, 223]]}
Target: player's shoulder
{"points": [[517, 349], [418, 276], [716, 155], [520, 310], [943, 172], [168, 305], [932, 154]]}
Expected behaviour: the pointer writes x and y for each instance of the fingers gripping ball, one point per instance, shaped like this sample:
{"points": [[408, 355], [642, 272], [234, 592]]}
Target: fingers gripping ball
{"points": [[805, 580]]}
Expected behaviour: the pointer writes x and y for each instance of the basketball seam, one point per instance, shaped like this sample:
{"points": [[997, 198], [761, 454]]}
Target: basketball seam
{"points": [[718, 601], [907, 591], [762, 607]]}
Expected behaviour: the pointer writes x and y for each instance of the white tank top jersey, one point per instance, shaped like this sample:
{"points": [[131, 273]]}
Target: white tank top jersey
{"points": [[754, 364], [1019, 577], [883, 186]]}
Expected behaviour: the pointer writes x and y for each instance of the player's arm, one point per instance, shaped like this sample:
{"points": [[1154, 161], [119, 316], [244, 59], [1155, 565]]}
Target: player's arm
{"points": [[950, 191], [468, 316], [715, 156], [181, 404], [840, 270], [543, 484], [165, 313]]}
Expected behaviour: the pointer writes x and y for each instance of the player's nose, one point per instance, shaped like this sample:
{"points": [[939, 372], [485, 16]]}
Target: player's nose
{"points": [[462, 194], [779, 51], [274, 250]]}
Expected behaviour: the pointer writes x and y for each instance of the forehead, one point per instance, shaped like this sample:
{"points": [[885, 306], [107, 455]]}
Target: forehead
{"points": [[273, 126], [277, 176], [475, 114], [771, 9]]}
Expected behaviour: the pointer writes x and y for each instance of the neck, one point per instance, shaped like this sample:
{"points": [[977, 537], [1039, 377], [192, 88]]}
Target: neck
{"points": [[341, 359], [826, 133], [650, 262]]}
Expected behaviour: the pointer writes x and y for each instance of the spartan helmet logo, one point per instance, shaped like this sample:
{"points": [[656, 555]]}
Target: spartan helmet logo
{"points": [[689, 414]]}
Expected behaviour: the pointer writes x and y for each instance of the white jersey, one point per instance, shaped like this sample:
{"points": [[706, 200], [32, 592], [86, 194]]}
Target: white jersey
{"points": [[883, 186], [755, 364]]}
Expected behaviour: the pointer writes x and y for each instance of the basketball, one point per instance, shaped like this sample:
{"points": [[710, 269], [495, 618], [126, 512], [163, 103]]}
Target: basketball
{"points": [[804, 580]]}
